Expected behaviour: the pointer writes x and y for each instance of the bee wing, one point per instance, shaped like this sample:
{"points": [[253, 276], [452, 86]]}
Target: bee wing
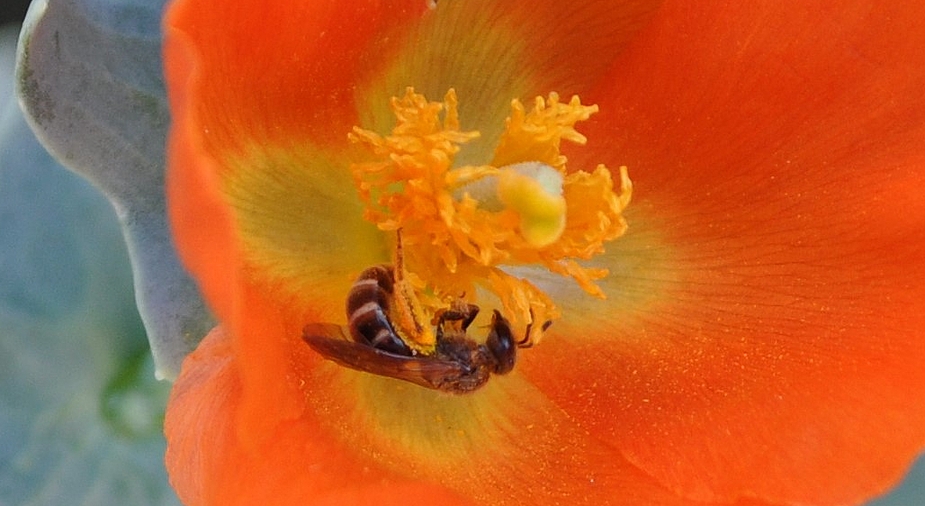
{"points": [[330, 341]]}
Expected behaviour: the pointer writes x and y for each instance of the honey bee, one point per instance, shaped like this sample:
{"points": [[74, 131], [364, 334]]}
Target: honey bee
{"points": [[458, 364]]}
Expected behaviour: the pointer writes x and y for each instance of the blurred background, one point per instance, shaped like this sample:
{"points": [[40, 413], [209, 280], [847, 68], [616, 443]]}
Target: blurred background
{"points": [[81, 414], [13, 11]]}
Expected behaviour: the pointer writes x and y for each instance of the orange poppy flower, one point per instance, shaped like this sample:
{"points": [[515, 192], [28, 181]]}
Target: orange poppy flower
{"points": [[756, 336]]}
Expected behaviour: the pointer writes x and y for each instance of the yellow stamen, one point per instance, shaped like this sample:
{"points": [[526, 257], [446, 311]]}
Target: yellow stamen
{"points": [[537, 135], [462, 225]]}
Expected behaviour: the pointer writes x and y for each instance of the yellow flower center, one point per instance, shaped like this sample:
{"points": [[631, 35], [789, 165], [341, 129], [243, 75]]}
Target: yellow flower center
{"points": [[461, 226]]}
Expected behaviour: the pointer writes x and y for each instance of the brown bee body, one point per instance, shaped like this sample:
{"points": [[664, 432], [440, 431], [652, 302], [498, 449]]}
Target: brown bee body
{"points": [[458, 364], [368, 308]]}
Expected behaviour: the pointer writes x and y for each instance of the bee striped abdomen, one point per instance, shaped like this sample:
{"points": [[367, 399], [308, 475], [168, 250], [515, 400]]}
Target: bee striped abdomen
{"points": [[368, 308]]}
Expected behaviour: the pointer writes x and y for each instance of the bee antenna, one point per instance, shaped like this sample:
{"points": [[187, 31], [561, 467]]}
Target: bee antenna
{"points": [[526, 342]]}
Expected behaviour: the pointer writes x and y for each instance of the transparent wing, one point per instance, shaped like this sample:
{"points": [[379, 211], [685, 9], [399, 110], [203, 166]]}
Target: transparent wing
{"points": [[332, 343]]}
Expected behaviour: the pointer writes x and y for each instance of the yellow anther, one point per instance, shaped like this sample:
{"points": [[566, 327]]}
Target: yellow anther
{"points": [[462, 225]]}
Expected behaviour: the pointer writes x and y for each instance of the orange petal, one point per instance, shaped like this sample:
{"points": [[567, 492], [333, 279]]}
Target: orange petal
{"points": [[209, 464], [763, 335], [234, 83], [290, 73], [362, 438], [492, 52]]}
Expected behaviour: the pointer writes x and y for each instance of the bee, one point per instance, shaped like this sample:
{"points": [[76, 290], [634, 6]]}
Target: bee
{"points": [[458, 364]]}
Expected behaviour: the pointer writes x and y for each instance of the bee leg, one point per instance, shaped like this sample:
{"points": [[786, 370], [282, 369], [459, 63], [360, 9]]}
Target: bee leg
{"points": [[460, 311]]}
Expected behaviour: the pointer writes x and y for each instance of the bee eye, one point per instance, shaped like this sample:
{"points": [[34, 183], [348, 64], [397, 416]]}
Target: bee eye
{"points": [[501, 344]]}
